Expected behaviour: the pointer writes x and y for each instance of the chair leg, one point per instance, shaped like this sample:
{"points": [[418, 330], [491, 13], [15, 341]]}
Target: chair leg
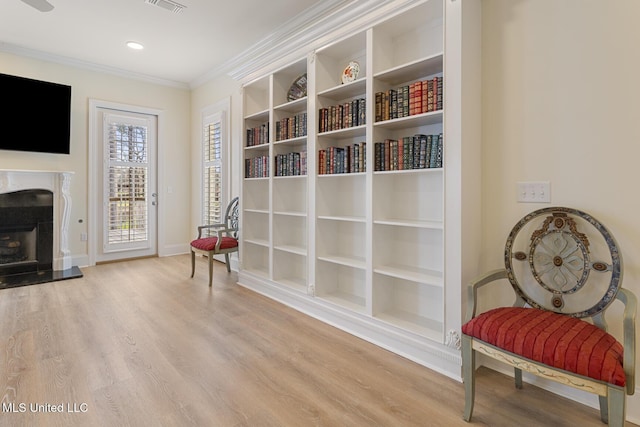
{"points": [[518, 378], [226, 258], [468, 376], [193, 263], [604, 409], [210, 268], [616, 405]]}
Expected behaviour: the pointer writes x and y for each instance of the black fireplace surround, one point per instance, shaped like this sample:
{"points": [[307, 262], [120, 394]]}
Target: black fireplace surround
{"points": [[26, 232]]}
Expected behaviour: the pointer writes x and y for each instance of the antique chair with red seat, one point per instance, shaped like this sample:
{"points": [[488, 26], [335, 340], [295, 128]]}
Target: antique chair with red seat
{"points": [[566, 270], [224, 242]]}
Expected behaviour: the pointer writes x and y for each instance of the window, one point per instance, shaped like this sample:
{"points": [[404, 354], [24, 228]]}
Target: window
{"points": [[212, 173], [214, 191]]}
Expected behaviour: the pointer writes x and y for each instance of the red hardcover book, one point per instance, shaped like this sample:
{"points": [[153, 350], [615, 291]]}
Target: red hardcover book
{"points": [[435, 93], [418, 95]]}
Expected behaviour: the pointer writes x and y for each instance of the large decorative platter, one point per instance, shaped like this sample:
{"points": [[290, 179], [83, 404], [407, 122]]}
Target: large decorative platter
{"points": [[350, 73], [298, 88]]}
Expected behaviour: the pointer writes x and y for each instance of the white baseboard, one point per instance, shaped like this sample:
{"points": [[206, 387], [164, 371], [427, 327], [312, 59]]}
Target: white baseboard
{"points": [[81, 260], [170, 250]]}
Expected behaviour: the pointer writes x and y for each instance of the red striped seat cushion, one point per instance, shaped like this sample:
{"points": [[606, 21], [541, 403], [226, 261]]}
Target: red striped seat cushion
{"points": [[552, 339], [209, 243]]}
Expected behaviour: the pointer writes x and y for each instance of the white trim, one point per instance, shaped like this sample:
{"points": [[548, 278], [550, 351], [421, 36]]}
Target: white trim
{"points": [[94, 181], [177, 249], [221, 107], [320, 25], [59, 183]]}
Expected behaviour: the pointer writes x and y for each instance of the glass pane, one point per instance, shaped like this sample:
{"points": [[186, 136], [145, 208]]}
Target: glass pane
{"points": [[128, 185], [212, 174]]}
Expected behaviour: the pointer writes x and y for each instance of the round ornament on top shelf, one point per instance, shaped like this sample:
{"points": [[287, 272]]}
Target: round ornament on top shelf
{"points": [[350, 73], [298, 88]]}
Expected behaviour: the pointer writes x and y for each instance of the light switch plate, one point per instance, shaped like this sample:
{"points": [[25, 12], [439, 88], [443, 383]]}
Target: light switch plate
{"points": [[534, 192]]}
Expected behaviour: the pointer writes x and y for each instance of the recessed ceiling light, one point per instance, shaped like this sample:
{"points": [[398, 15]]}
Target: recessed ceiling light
{"points": [[134, 45]]}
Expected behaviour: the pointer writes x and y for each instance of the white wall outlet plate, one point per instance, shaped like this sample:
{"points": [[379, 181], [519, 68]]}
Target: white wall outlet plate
{"points": [[534, 192]]}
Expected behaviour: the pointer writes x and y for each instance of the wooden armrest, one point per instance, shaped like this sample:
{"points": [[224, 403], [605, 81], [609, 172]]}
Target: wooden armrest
{"points": [[629, 336], [204, 227], [472, 289]]}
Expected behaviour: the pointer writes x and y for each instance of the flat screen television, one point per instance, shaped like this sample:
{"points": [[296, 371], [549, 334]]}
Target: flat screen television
{"points": [[34, 115]]}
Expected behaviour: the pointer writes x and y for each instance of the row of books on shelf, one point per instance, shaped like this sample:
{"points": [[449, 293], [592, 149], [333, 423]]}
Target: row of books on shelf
{"points": [[258, 135], [411, 152], [291, 164], [342, 116], [256, 167], [349, 159], [291, 127], [409, 100]]}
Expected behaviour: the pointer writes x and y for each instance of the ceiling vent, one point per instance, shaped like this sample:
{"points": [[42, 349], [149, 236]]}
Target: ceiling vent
{"points": [[169, 5]]}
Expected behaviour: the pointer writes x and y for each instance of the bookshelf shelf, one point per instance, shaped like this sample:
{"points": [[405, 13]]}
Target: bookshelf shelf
{"points": [[298, 250], [345, 133], [353, 262], [257, 148], [379, 252], [410, 273], [293, 107], [424, 119], [361, 219], [257, 242], [436, 225], [414, 70], [295, 283], [259, 116], [291, 213], [292, 142], [423, 326], [258, 211], [345, 91], [351, 302], [410, 171]]}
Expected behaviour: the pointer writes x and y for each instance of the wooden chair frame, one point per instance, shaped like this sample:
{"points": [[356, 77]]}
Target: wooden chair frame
{"points": [[611, 397], [228, 228]]}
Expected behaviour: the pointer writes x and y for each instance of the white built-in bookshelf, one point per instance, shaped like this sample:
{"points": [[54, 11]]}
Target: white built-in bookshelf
{"points": [[362, 246]]}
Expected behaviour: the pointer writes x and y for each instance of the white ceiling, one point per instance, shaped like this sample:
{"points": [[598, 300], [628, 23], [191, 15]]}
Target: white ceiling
{"points": [[179, 48]]}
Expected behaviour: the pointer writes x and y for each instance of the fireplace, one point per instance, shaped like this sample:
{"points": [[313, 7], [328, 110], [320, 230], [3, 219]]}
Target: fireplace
{"points": [[26, 231], [34, 223]]}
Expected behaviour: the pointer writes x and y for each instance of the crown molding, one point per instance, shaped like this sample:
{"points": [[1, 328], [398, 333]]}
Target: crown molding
{"points": [[318, 26], [48, 57]]}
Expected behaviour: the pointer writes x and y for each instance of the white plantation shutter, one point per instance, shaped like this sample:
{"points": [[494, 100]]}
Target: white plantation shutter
{"points": [[126, 183], [212, 197]]}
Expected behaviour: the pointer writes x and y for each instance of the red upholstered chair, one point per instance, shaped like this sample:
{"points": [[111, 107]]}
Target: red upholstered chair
{"points": [[225, 240], [565, 269]]}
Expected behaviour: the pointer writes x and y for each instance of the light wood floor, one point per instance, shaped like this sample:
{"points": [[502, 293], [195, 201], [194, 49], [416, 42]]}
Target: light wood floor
{"points": [[139, 343]]}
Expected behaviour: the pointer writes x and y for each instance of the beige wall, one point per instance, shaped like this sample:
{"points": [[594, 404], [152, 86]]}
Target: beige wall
{"points": [[175, 153], [560, 104], [560, 86]]}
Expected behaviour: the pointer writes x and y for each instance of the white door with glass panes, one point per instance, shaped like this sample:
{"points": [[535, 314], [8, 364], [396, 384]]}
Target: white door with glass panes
{"points": [[128, 211]]}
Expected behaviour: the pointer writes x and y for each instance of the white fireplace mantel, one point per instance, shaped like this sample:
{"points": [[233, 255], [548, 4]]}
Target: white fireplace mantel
{"points": [[59, 184]]}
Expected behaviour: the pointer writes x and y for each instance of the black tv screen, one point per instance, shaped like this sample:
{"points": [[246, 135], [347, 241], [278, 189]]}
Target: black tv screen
{"points": [[34, 115]]}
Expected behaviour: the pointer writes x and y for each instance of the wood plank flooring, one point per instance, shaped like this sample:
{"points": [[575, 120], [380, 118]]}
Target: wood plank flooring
{"points": [[139, 343]]}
